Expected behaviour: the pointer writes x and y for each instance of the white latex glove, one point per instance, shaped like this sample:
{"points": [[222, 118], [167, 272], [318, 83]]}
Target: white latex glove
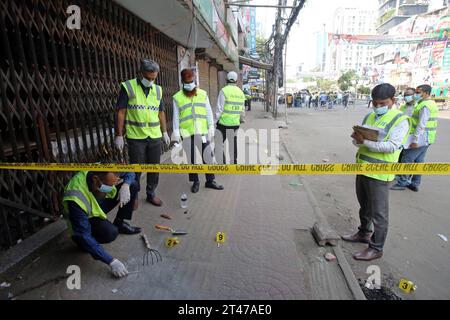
{"points": [[176, 137], [211, 134], [120, 143], [166, 138], [118, 269], [124, 195]]}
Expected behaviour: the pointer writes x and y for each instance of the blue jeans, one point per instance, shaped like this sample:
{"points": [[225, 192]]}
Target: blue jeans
{"points": [[412, 156]]}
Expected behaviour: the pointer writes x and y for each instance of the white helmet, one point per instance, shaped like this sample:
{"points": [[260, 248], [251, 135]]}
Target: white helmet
{"points": [[232, 76]]}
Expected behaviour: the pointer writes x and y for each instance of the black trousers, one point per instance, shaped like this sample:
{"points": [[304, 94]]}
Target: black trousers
{"points": [[190, 146], [373, 198], [248, 105], [146, 151], [103, 230], [227, 133]]}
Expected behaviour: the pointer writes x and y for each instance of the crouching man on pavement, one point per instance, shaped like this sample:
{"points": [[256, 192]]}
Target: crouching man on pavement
{"points": [[88, 198]]}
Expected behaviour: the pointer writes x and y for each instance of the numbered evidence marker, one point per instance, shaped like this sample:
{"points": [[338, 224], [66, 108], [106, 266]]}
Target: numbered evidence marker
{"points": [[407, 286], [172, 242], [220, 238]]}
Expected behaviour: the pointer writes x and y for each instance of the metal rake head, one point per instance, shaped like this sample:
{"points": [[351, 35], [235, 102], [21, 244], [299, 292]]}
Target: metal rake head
{"points": [[150, 253]]}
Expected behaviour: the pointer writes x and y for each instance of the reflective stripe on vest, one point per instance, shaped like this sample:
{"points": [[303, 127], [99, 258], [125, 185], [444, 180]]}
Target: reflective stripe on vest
{"points": [[431, 125], [142, 120], [192, 113], [79, 195], [386, 123], [233, 107], [77, 190]]}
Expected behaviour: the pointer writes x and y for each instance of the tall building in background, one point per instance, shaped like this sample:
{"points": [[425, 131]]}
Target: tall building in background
{"points": [[321, 49], [393, 12], [352, 21]]}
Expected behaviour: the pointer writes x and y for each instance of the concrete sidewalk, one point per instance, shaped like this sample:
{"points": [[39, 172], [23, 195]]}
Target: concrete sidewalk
{"points": [[269, 254]]}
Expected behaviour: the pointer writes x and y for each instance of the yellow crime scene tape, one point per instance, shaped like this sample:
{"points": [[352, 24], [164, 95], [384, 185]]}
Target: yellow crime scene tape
{"points": [[281, 169]]}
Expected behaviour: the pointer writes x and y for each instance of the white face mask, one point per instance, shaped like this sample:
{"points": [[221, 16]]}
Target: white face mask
{"points": [[147, 83], [189, 86]]}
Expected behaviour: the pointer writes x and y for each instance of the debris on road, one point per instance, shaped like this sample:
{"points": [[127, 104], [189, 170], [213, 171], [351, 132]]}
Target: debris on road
{"points": [[324, 234], [295, 184], [5, 285], [280, 157], [442, 237], [114, 290], [330, 257], [166, 216], [325, 160]]}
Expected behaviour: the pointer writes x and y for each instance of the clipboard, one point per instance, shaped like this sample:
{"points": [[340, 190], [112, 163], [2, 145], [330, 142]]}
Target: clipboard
{"points": [[368, 134]]}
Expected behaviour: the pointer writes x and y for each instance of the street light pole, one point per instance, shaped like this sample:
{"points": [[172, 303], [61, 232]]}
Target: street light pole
{"points": [[285, 82]]}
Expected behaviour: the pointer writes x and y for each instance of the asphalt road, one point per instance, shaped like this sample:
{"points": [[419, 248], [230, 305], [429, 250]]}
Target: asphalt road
{"points": [[413, 250]]}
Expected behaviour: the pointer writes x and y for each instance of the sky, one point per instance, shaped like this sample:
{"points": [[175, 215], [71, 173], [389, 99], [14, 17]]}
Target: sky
{"points": [[302, 41]]}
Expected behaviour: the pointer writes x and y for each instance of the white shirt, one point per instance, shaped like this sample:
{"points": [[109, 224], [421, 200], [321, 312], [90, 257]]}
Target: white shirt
{"points": [[420, 136], [394, 143], [176, 117]]}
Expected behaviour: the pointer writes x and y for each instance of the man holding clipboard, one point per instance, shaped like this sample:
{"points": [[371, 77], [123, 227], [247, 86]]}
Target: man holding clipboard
{"points": [[379, 140]]}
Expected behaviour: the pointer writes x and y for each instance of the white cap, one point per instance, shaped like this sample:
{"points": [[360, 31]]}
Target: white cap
{"points": [[232, 76]]}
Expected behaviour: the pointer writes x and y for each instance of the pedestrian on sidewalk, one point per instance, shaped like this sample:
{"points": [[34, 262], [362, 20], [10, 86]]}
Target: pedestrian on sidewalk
{"points": [[88, 198], [372, 190], [193, 122], [424, 123], [289, 100], [345, 100], [248, 101], [230, 114], [141, 117]]}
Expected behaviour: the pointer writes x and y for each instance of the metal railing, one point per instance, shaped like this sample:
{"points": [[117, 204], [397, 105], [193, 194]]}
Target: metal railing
{"points": [[58, 90]]}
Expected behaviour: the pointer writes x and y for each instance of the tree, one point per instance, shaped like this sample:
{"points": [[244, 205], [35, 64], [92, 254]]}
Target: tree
{"points": [[364, 90], [261, 47], [326, 84], [346, 79]]}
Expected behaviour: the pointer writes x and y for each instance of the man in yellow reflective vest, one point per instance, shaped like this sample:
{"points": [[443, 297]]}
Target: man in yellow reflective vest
{"points": [[141, 118], [230, 115], [193, 122], [372, 190], [424, 121], [88, 198]]}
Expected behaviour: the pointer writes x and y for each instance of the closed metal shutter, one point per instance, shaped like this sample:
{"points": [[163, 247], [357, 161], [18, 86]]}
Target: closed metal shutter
{"points": [[59, 88], [213, 87], [203, 73]]}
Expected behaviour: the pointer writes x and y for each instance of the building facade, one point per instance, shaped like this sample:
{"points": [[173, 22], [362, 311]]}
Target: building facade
{"points": [[60, 80], [351, 21]]}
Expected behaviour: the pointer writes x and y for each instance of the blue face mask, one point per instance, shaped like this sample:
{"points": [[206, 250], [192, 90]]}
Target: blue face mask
{"points": [[381, 110], [417, 97], [409, 98], [189, 86], [105, 188]]}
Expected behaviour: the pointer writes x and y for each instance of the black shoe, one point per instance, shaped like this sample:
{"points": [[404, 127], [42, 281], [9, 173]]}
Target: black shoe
{"points": [[413, 188], [195, 187], [124, 228], [213, 185]]}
